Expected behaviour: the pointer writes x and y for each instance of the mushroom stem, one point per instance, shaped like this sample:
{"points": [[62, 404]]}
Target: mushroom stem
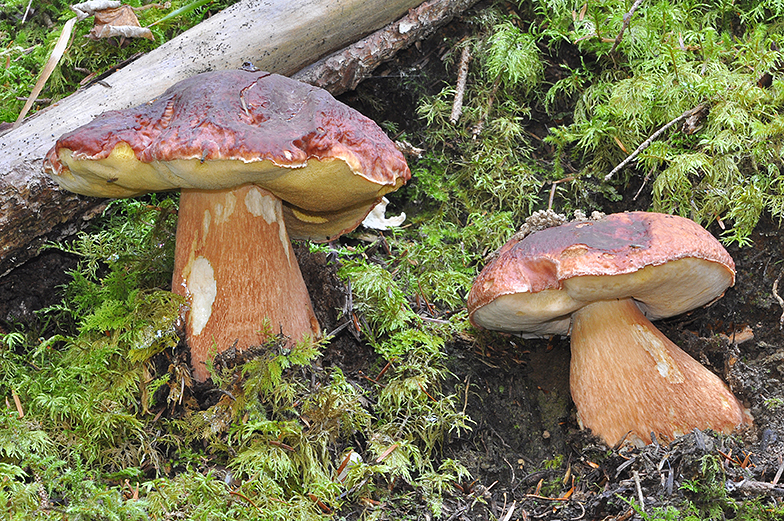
{"points": [[235, 266], [626, 376]]}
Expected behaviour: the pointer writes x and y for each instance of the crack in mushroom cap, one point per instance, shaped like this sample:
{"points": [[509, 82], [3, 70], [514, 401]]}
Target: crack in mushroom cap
{"points": [[326, 161], [668, 264]]}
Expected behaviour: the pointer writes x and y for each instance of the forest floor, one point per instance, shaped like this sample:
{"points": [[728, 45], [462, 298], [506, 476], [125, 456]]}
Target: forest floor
{"points": [[527, 456]]}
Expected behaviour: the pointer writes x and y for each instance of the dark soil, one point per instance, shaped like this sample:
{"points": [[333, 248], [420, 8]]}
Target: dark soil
{"points": [[525, 449]]}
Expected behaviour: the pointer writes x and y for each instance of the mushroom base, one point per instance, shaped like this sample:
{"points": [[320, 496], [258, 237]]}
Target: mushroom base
{"points": [[628, 380], [235, 266]]}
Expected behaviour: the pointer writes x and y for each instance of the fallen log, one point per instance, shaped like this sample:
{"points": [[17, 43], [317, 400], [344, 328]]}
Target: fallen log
{"points": [[279, 36], [344, 70]]}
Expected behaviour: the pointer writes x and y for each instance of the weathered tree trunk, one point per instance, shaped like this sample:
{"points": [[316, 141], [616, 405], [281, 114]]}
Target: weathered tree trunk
{"points": [[279, 36]]}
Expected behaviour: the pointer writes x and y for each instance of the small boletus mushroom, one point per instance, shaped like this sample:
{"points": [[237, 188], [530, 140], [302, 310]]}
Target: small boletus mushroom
{"points": [[259, 158], [604, 281]]}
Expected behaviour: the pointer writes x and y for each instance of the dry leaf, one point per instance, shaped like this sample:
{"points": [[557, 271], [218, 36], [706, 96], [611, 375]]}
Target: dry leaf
{"points": [[118, 21], [86, 9]]}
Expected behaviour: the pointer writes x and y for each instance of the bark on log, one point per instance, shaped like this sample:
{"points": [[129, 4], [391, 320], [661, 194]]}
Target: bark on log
{"points": [[344, 70], [275, 36]]}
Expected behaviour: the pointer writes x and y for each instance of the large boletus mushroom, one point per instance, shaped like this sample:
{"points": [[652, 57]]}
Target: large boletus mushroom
{"points": [[604, 281], [259, 158]]}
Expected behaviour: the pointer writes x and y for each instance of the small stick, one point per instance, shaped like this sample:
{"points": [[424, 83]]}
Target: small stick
{"points": [[371, 379], [387, 452], [552, 190], [778, 474], [759, 488], [636, 476], [282, 445], [427, 393], [27, 11], [627, 19], [246, 498], [468, 386], [778, 297], [462, 77], [645, 144]]}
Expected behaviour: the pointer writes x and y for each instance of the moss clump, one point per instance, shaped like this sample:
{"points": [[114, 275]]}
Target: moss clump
{"points": [[113, 426], [552, 74]]}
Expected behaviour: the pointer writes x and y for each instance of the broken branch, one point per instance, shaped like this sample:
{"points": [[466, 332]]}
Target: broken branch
{"points": [[462, 78], [627, 19], [645, 144]]}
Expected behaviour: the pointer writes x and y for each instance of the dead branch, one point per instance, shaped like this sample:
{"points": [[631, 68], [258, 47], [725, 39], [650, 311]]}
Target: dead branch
{"points": [[645, 144], [759, 488], [779, 299], [627, 19], [462, 78]]}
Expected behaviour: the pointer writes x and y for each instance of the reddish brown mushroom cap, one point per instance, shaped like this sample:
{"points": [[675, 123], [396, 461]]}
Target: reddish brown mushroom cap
{"points": [[327, 162], [550, 274], [604, 281]]}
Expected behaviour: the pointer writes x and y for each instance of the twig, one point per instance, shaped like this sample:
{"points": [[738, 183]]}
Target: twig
{"points": [[246, 498], [433, 320], [426, 393], [18, 404], [780, 300], [778, 473], [338, 329], [552, 189], [281, 445], [343, 70], [392, 448], [27, 11], [465, 399], [645, 180], [384, 370], [581, 515], [636, 476], [371, 379], [462, 77], [511, 482], [645, 144], [758, 488], [627, 19]]}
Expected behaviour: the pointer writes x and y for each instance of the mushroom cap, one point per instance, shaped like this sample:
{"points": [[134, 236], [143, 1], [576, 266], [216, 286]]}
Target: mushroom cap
{"points": [[326, 161], [667, 264]]}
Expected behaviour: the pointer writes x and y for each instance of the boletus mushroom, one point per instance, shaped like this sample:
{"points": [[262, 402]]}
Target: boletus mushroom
{"points": [[604, 281], [259, 158]]}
